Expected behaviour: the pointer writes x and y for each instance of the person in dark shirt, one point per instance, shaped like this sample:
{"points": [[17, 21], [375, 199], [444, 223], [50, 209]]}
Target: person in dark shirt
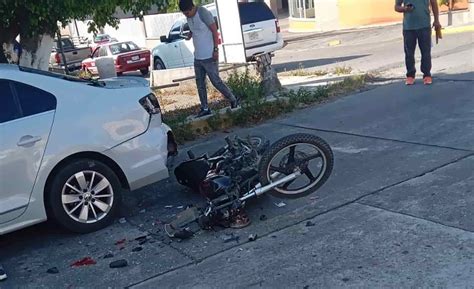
{"points": [[417, 27]]}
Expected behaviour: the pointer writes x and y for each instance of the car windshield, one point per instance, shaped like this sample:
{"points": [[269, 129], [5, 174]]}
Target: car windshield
{"points": [[92, 82], [123, 47]]}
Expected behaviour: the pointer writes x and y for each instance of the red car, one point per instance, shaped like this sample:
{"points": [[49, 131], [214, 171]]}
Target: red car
{"points": [[127, 57]]}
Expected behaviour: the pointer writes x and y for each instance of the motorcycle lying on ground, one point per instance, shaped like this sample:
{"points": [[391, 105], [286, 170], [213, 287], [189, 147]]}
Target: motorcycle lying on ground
{"points": [[293, 167]]}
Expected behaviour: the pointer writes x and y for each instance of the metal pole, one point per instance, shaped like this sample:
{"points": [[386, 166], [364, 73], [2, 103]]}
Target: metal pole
{"points": [[61, 50]]}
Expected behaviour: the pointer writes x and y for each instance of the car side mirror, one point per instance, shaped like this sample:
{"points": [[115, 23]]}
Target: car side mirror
{"points": [[164, 39]]}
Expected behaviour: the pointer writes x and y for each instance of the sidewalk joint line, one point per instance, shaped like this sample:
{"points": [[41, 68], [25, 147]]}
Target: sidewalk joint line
{"points": [[414, 217]]}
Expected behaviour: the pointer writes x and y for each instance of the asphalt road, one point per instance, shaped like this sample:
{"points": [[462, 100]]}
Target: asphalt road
{"points": [[396, 213]]}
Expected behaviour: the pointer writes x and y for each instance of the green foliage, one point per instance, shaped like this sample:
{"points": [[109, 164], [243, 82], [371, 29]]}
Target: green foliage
{"points": [[30, 18], [245, 86]]}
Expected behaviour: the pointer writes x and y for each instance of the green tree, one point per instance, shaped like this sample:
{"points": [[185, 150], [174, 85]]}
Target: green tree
{"points": [[36, 21]]}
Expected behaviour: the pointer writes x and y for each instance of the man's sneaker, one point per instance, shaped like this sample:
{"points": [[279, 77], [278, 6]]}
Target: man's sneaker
{"points": [[410, 80], [204, 112], [427, 80], [235, 105], [3, 274]]}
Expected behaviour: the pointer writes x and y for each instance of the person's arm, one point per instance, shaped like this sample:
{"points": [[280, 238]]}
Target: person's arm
{"points": [[435, 9], [215, 38]]}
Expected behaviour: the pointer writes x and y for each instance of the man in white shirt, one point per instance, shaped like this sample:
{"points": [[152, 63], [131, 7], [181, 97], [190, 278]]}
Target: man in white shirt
{"points": [[206, 53]]}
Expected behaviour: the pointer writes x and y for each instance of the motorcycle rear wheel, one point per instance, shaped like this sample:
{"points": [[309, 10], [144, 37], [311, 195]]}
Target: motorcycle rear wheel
{"points": [[301, 152]]}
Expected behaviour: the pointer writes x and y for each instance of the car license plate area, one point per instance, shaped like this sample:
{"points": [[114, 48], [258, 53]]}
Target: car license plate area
{"points": [[135, 59], [254, 36]]}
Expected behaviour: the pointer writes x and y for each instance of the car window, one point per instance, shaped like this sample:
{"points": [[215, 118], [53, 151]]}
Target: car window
{"points": [[253, 12], [186, 28], [9, 109], [176, 31], [123, 47], [176, 28], [33, 100]]}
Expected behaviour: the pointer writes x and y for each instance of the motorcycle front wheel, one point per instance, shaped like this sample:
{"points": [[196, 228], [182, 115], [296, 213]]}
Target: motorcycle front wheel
{"points": [[306, 154]]}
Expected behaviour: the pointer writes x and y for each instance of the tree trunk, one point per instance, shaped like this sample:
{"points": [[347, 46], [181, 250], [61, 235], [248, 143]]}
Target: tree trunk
{"points": [[269, 77], [36, 51]]}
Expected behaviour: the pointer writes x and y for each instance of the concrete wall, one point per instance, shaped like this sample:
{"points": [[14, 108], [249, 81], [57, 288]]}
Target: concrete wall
{"points": [[144, 34], [366, 12]]}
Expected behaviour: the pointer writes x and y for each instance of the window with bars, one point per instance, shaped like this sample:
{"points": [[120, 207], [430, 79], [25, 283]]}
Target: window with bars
{"points": [[302, 8]]}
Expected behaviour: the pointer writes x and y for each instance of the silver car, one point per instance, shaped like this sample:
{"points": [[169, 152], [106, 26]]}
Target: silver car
{"points": [[69, 148]]}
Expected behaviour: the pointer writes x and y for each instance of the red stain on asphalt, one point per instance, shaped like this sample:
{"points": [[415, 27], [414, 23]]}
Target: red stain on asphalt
{"points": [[121, 242], [87, 261]]}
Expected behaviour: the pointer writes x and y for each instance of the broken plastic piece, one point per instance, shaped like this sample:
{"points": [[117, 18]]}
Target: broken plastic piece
{"points": [[280, 204]]}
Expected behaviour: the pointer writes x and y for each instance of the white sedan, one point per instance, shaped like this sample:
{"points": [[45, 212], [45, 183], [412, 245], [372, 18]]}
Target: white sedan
{"points": [[69, 148]]}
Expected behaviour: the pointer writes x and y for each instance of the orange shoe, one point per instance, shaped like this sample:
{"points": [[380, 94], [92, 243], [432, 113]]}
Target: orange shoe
{"points": [[410, 80], [427, 80]]}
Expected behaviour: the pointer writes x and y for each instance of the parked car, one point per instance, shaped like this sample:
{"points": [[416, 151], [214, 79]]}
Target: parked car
{"points": [[74, 55], [261, 32], [127, 57], [70, 147], [104, 38]]}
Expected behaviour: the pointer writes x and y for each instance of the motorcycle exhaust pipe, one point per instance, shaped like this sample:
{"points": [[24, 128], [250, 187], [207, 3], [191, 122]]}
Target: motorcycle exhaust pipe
{"points": [[262, 190]]}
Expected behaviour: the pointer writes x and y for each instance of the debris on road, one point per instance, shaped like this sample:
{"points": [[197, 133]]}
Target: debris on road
{"points": [[169, 207], [119, 264], [87, 261], [280, 204], [122, 220], [180, 207], [252, 237], [143, 211], [227, 238], [53, 270], [108, 256], [183, 234], [3, 274], [137, 249], [310, 224], [142, 239], [263, 218]]}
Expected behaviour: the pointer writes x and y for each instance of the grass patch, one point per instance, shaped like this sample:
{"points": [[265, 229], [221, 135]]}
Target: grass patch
{"points": [[255, 108]]}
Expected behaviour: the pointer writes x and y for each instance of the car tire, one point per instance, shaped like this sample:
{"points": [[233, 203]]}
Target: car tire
{"points": [[158, 64], [79, 206], [145, 71], [119, 73]]}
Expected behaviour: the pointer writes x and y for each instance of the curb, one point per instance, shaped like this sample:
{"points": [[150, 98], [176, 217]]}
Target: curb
{"points": [[458, 29]]}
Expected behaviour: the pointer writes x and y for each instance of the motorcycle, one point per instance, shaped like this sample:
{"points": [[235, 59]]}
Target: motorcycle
{"points": [[293, 167]]}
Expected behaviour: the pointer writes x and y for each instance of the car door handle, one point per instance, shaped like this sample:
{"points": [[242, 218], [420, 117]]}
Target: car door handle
{"points": [[28, 140]]}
